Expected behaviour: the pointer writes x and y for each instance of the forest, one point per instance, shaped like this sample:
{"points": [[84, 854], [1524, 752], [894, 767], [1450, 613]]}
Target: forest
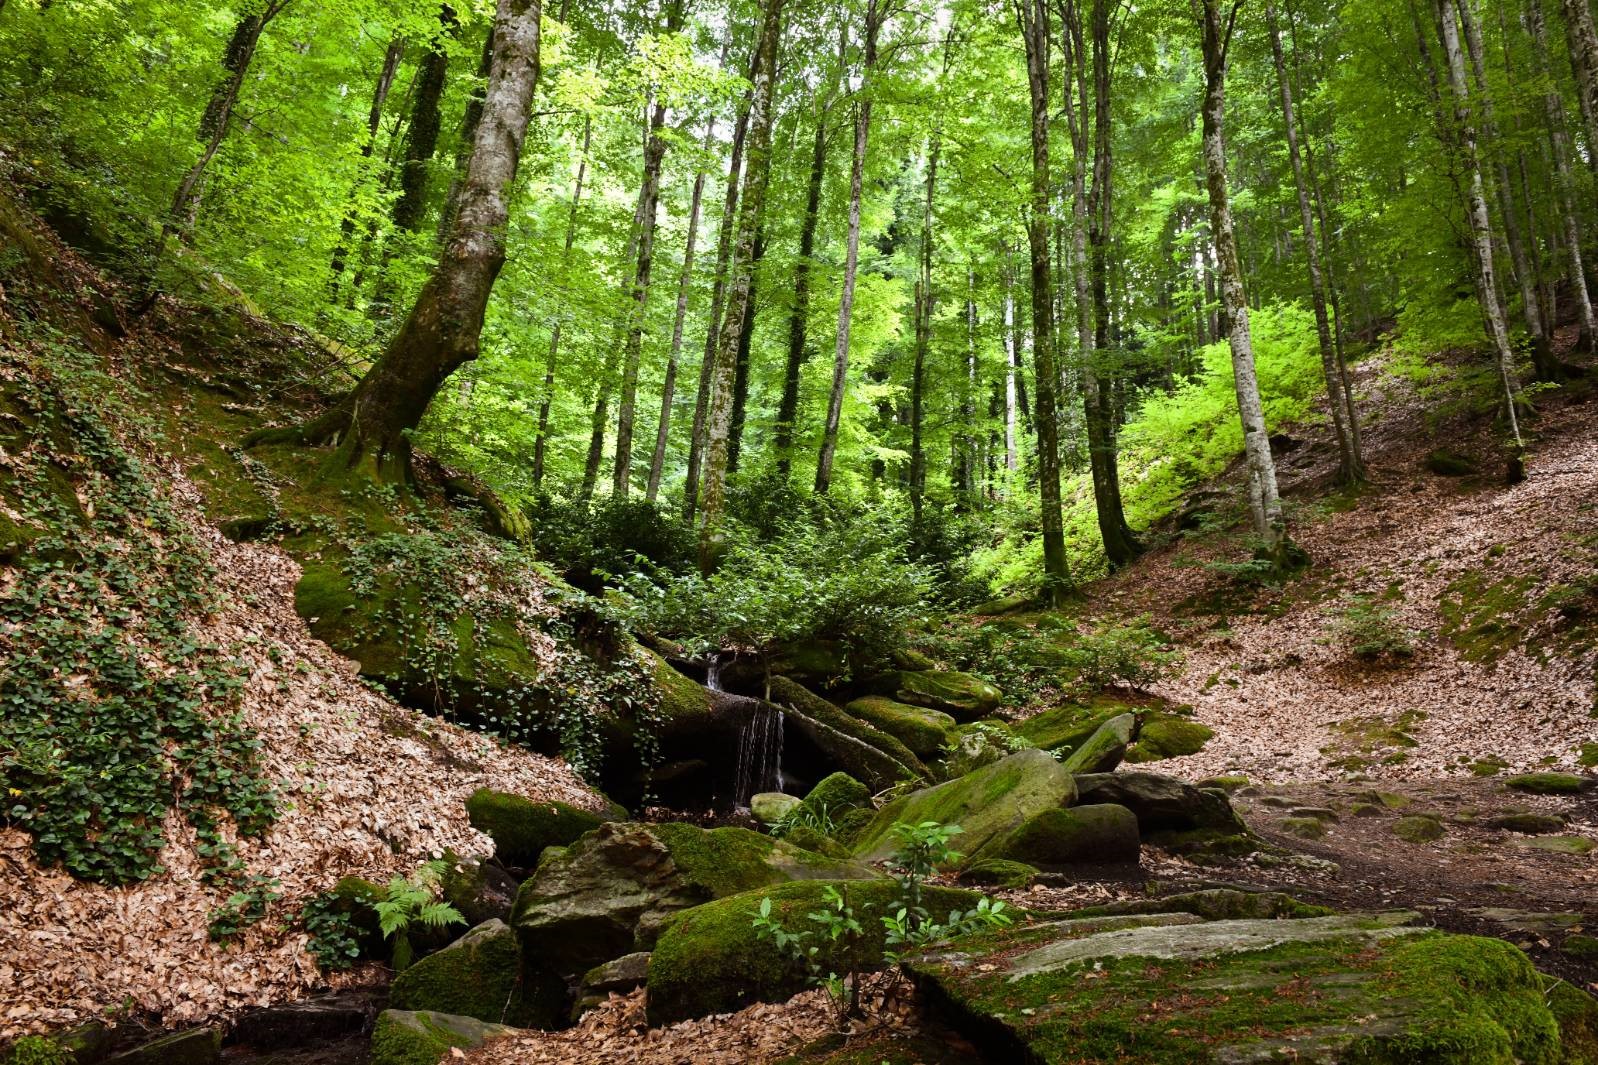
{"points": [[833, 532]]}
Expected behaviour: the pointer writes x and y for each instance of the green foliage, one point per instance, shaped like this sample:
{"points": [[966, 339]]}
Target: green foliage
{"points": [[37, 1050], [331, 928], [594, 543], [244, 907], [805, 817], [410, 902], [1128, 653], [114, 709], [1372, 630]]}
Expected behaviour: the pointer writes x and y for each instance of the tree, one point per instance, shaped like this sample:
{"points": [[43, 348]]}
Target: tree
{"points": [[1265, 503], [442, 330], [541, 441]]}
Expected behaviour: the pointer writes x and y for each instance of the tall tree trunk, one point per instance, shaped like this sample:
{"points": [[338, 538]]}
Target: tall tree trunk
{"points": [[668, 388], [218, 116], [1350, 464], [923, 338], [1476, 210], [1583, 38], [1265, 504], [718, 295], [374, 120], [1565, 185], [746, 339], [472, 115], [541, 443], [441, 332], [875, 14], [1034, 19], [1012, 367], [421, 139], [799, 314], [741, 275]]}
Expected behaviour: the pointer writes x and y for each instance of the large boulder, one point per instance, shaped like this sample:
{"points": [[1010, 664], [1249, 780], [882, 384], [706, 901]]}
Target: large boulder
{"points": [[865, 753], [1101, 834], [1162, 736], [608, 894], [425, 1038], [1062, 729], [1173, 813], [1102, 751], [1172, 987], [838, 794], [481, 975], [710, 959], [964, 696], [770, 807], [925, 732], [522, 828], [985, 804], [480, 891]]}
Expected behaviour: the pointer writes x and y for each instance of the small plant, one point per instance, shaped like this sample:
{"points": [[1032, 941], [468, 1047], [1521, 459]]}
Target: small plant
{"points": [[244, 907], [1132, 654], [413, 902], [38, 1050], [332, 932], [816, 819], [1372, 631], [837, 928]]}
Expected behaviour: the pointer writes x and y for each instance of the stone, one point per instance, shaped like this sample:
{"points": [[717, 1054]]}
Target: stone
{"points": [[1577, 1015], [1198, 824], [1062, 729], [1100, 834], [624, 974], [1229, 783], [1581, 945], [1526, 823], [1105, 748], [925, 732], [481, 975], [837, 794], [296, 1024], [1303, 827], [999, 872], [197, 1046], [985, 803], [1418, 828], [1162, 736], [609, 893], [868, 754], [963, 696], [1215, 904], [711, 959], [1320, 813], [1153, 990], [481, 891], [1446, 463], [402, 1037], [522, 828], [1537, 922], [770, 807], [1550, 783], [1578, 845]]}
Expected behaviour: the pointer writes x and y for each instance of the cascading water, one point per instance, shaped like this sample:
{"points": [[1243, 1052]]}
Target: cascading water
{"points": [[759, 739]]}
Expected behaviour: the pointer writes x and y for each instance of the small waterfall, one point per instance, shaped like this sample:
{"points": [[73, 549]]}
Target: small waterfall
{"points": [[759, 753], [713, 673]]}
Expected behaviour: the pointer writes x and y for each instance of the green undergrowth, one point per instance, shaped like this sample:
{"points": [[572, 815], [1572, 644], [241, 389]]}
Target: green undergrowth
{"points": [[1373, 739], [116, 710], [1487, 614]]}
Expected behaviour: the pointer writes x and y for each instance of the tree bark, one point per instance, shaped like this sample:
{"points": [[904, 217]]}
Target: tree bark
{"points": [[1477, 213], [1034, 19], [1265, 504], [741, 275], [421, 139], [923, 338], [746, 339], [374, 119], [851, 263], [1012, 367], [1350, 463], [541, 442], [1583, 38], [442, 331]]}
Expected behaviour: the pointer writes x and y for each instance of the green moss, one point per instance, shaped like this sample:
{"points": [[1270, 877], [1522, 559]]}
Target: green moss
{"points": [[1580, 945], [1587, 756], [1446, 463], [36, 1050], [1418, 828], [999, 872], [1549, 783], [1303, 827], [1168, 736], [1576, 1013], [480, 975], [725, 861], [812, 840], [710, 960], [1214, 904], [1373, 738], [1064, 728], [964, 695], [1095, 834], [1230, 784], [847, 829], [1577, 845], [1490, 766], [425, 1038], [925, 732], [837, 794], [864, 752], [521, 828], [1485, 615]]}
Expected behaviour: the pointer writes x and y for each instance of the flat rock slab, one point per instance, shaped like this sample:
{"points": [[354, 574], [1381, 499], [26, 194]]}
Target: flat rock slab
{"points": [[1161, 988]]}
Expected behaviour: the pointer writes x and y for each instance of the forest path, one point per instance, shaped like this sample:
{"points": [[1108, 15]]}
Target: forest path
{"points": [[1496, 582]]}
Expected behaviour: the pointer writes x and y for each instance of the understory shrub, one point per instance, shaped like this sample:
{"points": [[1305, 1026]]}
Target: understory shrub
{"points": [[1371, 630]]}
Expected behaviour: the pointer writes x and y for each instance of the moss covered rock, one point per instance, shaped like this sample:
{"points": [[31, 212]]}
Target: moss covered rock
{"points": [[522, 828], [1368, 988], [1164, 736], [985, 804], [481, 975], [1198, 823], [1549, 783], [964, 696], [607, 894], [864, 752], [1100, 834], [770, 807], [426, 1038], [999, 872], [1102, 751], [925, 732], [1577, 1015], [837, 794], [711, 960], [1214, 904]]}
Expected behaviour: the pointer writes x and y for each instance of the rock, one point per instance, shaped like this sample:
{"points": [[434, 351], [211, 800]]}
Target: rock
{"points": [[608, 894], [1550, 783], [1369, 988], [297, 1024], [197, 1046], [999, 872], [1320, 813], [426, 1038], [1303, 827], [1580, 945], [481, 975], [522, 828], [865, 753], [1064, 728], [925, 732], [1526, 823], [1535, 922], [964, 696], [1578, 845], [1445, 463], [1172, 813], [1215, 904], [910, 658], [1576, 1013], [620, 976], [811, 839], [1367, 809], [711, 960], [814, 661], [481, 891], [1230, 784], [837, 794], [1386, 799], [87, 1044], [985, 804], [1418, 828], [1103, 751], [770, 807], [1164, 736], [1102, 834]]}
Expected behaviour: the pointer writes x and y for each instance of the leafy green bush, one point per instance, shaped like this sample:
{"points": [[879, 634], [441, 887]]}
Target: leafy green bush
{"points": [[1371, 630], [244, 907], [593, 543], [331, 927], [1129, 653]]}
